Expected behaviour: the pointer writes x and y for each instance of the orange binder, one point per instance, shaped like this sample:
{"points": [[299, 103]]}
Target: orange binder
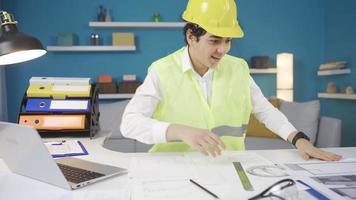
{"points": [[53, 122]]}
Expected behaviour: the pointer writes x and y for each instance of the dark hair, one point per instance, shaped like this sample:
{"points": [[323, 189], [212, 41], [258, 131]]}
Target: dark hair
{"points": [[197, 31]]}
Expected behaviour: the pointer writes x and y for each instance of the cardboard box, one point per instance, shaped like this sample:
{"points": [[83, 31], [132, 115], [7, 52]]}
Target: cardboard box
{"points": [[105, 79], [129, 77], [69, 39], [260, 62], [107, 88], [123, 39], [128, 86]]}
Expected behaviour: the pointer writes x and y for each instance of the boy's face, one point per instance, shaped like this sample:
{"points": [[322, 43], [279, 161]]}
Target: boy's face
{"points": [[208, 51]]}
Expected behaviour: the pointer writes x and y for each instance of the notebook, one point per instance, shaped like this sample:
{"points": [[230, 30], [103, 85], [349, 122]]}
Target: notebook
{"points": [[24, 153]]}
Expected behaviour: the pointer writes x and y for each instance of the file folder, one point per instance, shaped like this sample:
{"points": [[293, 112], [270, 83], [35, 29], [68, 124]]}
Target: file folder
{"points": [[60, 80], [53, 122], [58, 91], [53, 105]]}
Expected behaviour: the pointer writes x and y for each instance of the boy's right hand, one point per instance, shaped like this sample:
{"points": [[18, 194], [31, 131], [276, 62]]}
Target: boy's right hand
{"points": [[201, 139]]}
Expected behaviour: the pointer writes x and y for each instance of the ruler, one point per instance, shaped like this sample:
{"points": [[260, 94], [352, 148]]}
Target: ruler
{"points": [[243, 177]]}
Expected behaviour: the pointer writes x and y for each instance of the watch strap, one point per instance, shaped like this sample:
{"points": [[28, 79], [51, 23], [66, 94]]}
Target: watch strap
{"points": [[298, 136]]}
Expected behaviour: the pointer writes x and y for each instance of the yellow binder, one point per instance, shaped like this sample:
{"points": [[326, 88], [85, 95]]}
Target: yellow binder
{"points": [[58, 91]]}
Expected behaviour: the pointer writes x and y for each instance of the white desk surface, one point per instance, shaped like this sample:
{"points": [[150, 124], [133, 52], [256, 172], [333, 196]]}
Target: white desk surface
{"points": [[13, 186]]}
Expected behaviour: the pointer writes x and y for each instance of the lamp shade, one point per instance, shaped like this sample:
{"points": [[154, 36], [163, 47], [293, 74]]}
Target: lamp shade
{"points": [[16, 47], [285, 76]]}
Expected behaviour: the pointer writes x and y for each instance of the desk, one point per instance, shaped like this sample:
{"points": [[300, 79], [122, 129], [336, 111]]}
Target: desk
{"points": [[13, 186]]}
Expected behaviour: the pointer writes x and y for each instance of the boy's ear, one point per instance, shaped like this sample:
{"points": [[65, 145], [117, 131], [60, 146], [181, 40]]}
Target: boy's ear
{"points": [[190, 37]]}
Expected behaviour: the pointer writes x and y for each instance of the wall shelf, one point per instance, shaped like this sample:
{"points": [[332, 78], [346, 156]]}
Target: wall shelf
{"points": [[91, 48], [333, 72], [337, 96], [137, 24], [263, 71], [116, 96], [128, 96]]}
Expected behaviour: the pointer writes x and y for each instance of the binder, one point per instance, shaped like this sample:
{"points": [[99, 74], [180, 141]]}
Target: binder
{"points": [[53, 122], [91, 114], [53, 105], [60, 80], [58, 91]]}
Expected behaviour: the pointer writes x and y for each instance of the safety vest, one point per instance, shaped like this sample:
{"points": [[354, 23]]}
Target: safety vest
{"points": [[183, 103]]}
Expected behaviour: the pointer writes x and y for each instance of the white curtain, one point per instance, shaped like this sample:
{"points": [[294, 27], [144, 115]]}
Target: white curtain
{"points": [[3, 101]]}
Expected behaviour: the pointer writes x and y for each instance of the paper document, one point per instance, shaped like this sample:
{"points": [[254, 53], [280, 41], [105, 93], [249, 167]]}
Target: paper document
{"points": [[167, 176], [330, 168], [323, 168], [66, 148], [336, 180]]}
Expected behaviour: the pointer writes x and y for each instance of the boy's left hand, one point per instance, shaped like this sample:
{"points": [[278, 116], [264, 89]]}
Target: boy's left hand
{"points": [[307, 150]]}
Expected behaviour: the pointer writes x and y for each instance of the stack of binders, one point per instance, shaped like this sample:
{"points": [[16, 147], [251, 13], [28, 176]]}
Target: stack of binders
{"points": [[58, 106]]}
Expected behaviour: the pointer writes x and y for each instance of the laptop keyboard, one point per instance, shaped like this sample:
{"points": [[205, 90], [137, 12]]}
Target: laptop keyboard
{"points": [[77, 175]]}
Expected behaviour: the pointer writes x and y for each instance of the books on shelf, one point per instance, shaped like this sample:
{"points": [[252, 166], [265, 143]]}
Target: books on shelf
{"points": [[333, 72]]}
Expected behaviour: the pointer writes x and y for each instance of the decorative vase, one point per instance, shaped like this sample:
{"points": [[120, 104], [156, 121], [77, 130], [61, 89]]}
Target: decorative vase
{"points": [[331, 87]]}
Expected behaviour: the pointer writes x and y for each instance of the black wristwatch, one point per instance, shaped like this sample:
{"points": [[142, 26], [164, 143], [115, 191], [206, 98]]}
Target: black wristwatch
{"points": [[298, 136]]}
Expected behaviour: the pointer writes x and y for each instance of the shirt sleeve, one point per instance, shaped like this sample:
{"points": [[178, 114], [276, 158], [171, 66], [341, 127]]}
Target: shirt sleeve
{"points": [[267, 114], [137, 121]]}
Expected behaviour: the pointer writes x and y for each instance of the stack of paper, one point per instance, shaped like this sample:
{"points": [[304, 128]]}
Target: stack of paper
{"points": [[167, 177]]}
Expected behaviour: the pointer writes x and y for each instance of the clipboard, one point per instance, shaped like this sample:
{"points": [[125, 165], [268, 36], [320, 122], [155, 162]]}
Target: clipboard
{"points": [[66, 148]]}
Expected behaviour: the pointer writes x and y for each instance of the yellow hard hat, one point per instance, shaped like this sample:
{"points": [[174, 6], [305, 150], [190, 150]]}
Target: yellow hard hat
{"points": [[218, 17]]}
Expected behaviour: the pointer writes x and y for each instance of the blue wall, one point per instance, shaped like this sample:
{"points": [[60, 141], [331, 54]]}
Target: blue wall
{"points": [[270, 27], [340, 44]]}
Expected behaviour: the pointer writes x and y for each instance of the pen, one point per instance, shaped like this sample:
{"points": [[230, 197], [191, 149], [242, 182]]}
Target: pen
{"points": [[203, 188], [59, 143]]}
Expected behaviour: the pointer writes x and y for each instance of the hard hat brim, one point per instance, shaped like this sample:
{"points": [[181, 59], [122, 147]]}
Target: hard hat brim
{"points": [[235, 32]]}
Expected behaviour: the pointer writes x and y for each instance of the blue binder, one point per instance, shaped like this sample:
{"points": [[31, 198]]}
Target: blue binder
{"points": [[57, 105]]}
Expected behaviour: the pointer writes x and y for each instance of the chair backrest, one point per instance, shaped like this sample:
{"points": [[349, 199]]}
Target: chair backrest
{"points": [[329, 133], [110, 121], [110, 117]]}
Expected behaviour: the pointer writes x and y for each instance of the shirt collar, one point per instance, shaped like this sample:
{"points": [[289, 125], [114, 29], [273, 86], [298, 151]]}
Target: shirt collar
{"points": [[187, 63]]}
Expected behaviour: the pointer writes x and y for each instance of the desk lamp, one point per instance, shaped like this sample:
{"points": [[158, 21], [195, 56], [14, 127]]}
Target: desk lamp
{"points": [[285, 76], [16, 47]]}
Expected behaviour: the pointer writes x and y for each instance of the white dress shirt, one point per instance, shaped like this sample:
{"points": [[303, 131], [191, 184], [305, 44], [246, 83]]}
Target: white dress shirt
{"points": [[137, 121]]}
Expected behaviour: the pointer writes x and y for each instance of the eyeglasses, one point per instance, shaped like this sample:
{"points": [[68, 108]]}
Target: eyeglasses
{"points": [[285, 189]]}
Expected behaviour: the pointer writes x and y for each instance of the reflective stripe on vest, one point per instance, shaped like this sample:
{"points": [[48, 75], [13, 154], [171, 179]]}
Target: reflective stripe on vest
{"points": [[230, 130], [183, 102]]}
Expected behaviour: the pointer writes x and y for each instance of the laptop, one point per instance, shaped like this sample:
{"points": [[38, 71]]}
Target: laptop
{"points": [[24, 153]]}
